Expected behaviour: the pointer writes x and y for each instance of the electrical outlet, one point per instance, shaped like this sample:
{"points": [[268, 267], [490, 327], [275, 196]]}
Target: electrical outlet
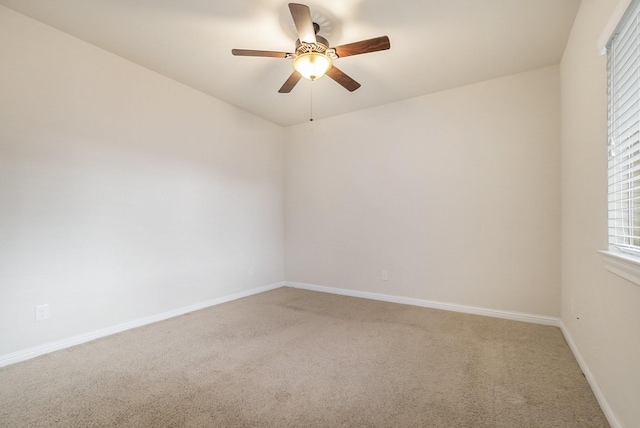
{"points": [[42, 312], [385, 275], [252, 271]]}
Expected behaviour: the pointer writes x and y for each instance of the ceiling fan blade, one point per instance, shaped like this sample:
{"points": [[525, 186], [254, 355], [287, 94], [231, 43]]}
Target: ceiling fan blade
{"points": [[250, 52], [290, 83], [302, 18], [346, 81], [365, 46]]}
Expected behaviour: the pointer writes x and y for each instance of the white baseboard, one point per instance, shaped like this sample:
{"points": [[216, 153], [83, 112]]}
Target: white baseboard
{"points": [[602, 400], [36, 351], [516, 316]]}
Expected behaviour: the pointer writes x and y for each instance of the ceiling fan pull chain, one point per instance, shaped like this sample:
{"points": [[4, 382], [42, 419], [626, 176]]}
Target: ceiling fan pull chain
{"points": [[311, 103]]}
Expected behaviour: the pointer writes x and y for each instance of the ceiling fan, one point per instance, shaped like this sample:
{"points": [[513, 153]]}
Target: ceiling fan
{"points": [[313, 58]]}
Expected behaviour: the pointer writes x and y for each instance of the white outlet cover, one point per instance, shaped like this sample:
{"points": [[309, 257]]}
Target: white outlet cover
{"points": [[42, 312]]}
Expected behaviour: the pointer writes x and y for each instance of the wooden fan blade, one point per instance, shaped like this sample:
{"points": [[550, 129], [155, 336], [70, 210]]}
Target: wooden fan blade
{"points": [[364, 46], [346, 81], [290, 83], [302, 18], [250, 52]]}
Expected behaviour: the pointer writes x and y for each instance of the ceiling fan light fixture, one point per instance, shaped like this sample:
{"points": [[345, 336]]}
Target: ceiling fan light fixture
{"points": [[312, 65]]}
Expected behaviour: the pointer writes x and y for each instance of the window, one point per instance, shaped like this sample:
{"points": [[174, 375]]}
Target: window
{"points": [[623, 68]]}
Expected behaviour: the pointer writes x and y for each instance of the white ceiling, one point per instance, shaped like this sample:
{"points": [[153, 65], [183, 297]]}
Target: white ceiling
{"points": [[435, 45]]}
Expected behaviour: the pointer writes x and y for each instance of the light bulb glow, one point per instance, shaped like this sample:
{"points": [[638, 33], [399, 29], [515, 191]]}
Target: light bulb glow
{"points": [[312, 65]]}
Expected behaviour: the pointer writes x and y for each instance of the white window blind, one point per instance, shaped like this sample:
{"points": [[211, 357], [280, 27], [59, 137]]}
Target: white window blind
{"points": [[623, 65]]}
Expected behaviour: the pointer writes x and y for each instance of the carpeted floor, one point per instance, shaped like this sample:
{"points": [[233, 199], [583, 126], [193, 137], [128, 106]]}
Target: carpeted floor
{"points": [[295, 358]]}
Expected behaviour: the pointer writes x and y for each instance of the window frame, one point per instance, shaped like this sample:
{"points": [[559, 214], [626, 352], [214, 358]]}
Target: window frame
{"points": [[623, 131]]}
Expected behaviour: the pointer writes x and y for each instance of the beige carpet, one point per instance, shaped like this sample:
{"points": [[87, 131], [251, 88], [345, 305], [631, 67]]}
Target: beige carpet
{"points": [[299, 358]]}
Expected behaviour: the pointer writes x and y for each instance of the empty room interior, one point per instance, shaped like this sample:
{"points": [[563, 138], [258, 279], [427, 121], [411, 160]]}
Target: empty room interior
{"points": [[148, 176]]}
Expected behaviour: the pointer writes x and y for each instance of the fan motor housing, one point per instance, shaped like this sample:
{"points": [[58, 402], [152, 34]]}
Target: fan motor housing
{"points": [[320, 46]]}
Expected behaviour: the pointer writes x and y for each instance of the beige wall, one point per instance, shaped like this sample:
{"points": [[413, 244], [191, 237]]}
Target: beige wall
{"points": [[123, 194], [600, 311], [456, 194]]}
